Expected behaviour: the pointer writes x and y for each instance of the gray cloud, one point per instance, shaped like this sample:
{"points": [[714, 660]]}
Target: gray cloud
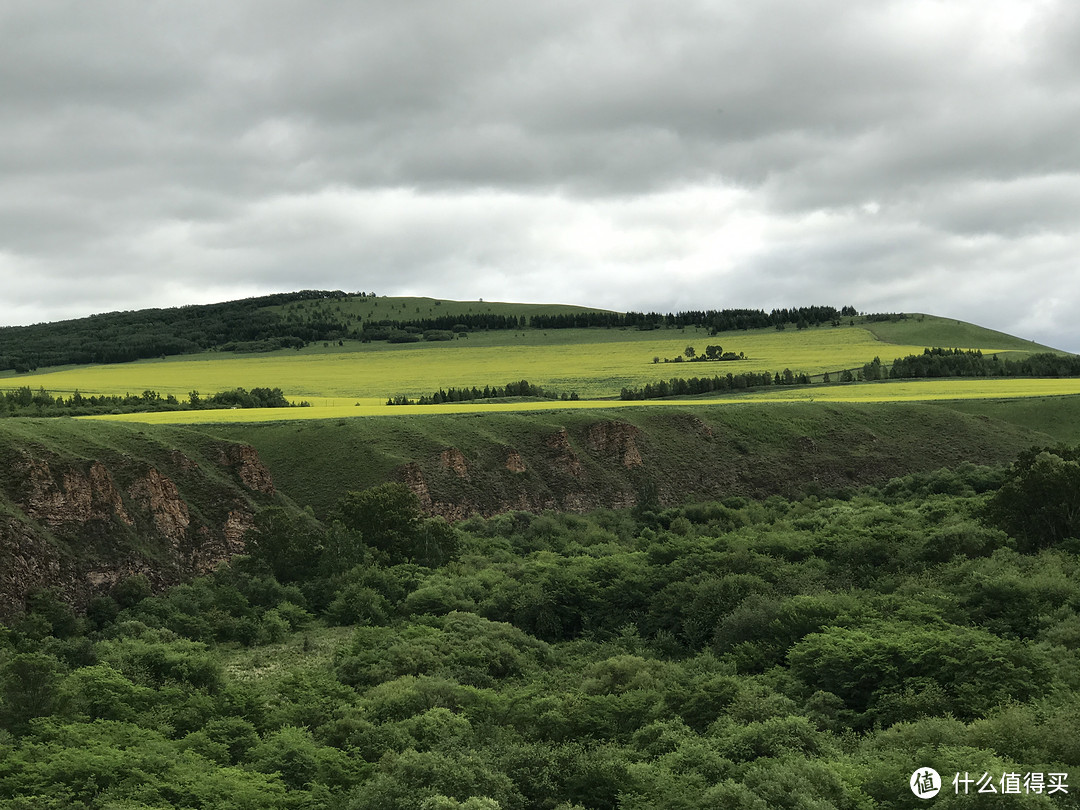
{"points": [[899, 155]]}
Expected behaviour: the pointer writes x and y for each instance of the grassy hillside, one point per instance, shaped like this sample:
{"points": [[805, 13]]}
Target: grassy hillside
{"points": [[1057, 417], [595, 363], [579, 459], [931, 330], [252, 324]]}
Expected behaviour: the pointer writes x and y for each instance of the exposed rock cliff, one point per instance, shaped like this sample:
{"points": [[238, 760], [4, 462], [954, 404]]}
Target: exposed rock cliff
{"points": [[82, 521], [657, 456]]}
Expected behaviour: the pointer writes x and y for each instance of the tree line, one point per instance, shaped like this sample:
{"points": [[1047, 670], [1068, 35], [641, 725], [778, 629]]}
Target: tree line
{"points": [[249, 325], [722, 320], [932, 363], [521, 388], [24, 401], [678, 386], [939, 362]]}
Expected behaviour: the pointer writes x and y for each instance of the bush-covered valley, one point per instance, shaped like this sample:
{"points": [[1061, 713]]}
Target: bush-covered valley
{"points": [[803, 653]]}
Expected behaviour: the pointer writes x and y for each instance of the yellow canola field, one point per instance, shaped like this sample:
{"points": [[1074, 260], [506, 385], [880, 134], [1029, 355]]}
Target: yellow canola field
{"points": [[894, 391], [918, 390], [594, 363]]}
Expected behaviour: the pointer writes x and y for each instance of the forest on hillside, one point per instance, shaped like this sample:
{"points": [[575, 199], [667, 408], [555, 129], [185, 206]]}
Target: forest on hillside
{"points": [[804, 653], [120, 337], [252, 325]]}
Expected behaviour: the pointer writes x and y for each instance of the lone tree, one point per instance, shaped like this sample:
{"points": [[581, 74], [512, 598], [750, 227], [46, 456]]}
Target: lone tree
{"points": [[289, 543], [388, 516], [390, 520]]}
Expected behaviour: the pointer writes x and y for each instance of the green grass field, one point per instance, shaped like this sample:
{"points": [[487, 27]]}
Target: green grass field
{"points": [[886, 391], [932, 330], [354, 379], [1058, 417], [593, 362]]}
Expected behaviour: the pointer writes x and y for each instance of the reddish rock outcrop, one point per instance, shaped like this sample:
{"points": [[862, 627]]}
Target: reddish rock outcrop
{"points": [[514, 462], [27, 561], [413, 477], [245, 461], [105, 529], [453, 460], [69, 495], [616, 439], [184, 463], [158, 495], [239, 523], [565, 460]]}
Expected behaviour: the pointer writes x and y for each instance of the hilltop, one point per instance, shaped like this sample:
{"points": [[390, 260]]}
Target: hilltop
{"points": [[567, 359], [295, 320], [259, 324]]}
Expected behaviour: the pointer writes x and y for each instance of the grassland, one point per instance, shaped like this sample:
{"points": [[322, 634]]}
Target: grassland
{"points": [[354, 379], [595, 363], [1057, 417], [889, 391], [932, 330]]}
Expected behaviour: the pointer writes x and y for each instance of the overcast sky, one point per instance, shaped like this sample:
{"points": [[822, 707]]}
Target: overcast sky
{"points": [[917, 156]]}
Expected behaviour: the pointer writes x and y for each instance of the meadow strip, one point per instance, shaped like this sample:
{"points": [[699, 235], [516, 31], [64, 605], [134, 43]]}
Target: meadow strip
{"points": [[886, 391]]}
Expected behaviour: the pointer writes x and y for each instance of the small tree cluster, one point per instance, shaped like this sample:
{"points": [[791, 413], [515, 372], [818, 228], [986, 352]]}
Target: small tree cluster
{"points": [[522, 388]]}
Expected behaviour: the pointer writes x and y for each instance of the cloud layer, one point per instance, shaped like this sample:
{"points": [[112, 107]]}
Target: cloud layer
{"points": [[621, 153]]}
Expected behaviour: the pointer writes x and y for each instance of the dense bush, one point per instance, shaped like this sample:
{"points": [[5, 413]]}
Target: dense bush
{"points": [[740, 654]]}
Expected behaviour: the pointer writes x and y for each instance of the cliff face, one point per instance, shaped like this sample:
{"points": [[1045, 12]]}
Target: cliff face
{"points": [[596, 465], [82, 521], [465, 464]]}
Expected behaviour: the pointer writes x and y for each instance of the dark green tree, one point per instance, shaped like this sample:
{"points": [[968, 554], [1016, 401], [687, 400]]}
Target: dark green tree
{"points": [[1039, 504], [343, 549], [873, 370], [289, 543], [388, 516], [29, 688], [390, 519]]}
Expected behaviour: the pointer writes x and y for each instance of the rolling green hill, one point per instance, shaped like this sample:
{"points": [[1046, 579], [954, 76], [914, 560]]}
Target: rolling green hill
{"points": [[265, 323], [594, 363], [485, 460], [931, 330], [719, 631]]}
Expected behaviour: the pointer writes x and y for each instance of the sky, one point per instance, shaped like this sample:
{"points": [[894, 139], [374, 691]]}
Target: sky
{"points": [[918, 156]]}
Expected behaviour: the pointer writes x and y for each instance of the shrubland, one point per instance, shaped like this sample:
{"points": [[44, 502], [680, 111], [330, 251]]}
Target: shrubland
{"points": [[741, 653]]}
